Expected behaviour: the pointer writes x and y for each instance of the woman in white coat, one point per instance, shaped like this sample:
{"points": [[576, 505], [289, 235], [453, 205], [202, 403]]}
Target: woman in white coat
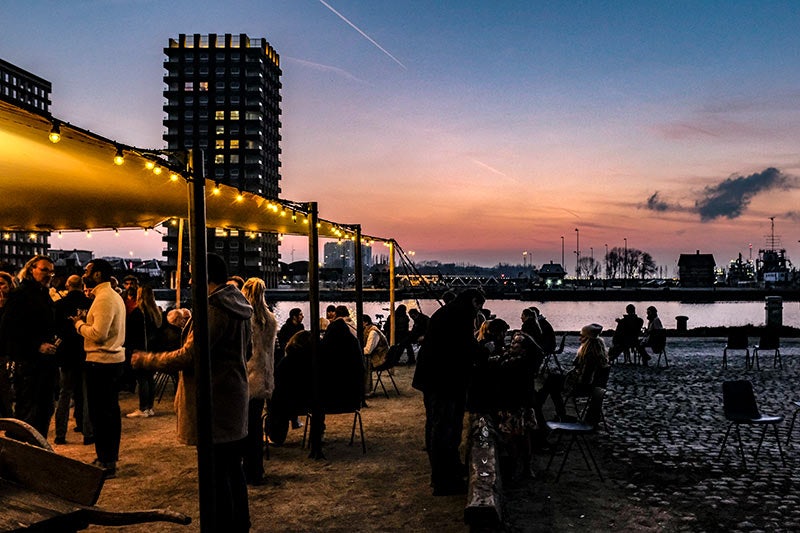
{"points": [[260, 376]]}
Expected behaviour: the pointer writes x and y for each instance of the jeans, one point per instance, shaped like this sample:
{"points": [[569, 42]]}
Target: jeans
{"points": [[35, 387], [70, 384], [102, 389], [145, 379]]}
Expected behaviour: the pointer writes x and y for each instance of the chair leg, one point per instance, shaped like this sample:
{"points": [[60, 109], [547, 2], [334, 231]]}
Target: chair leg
{"points": [[553, 453], [725, 358], [391, 377], [724, 441], [755, 360], [777, 362], [361, 429], [353, 432], [379, 381], [594, 462], [791, 426], [778, 440], [566, 454], [305, 431], [760, 441], [741, 446]]}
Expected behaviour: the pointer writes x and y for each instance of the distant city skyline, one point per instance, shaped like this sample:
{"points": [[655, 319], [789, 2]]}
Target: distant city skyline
{"points": [[473, 131]]}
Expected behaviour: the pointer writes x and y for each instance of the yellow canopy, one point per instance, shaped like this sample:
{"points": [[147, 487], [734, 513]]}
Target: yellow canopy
{"points": [[75, 184]]}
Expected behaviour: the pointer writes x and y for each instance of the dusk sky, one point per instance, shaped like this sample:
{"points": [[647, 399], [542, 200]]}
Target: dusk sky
{"points": [[472, 131]]}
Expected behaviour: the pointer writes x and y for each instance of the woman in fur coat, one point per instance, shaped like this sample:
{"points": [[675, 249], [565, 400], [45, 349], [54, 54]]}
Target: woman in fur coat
{"points": [[260, 376]]}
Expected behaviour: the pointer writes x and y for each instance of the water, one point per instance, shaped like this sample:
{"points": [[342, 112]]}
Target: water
{"points": [[571, 316]]}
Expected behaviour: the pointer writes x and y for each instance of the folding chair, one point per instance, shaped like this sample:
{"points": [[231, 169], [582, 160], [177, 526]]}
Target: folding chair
{"points": [[356, 419], [554, 354], [769, 341], [601, 381], [740, 406], [392, 358], [658, 343], [161, 381], [578, 432], [737, 340]]}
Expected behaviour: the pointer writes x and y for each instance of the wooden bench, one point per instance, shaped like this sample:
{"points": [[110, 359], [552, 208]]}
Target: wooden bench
{"points": [[44, 491], [484, 491]]}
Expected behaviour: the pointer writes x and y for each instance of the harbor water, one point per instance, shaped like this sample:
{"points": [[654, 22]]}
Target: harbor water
{"points": [[571, 316]]}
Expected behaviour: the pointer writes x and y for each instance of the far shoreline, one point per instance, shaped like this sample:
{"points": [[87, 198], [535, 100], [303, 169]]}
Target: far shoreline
{"points": [[599, 294]]}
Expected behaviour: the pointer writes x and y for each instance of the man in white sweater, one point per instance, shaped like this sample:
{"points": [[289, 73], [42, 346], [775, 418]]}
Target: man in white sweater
{"points": [[103, 331]]}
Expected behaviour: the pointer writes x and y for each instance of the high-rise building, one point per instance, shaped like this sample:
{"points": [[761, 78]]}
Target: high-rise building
{"points": [[341, 254], [223, 99], [30, 92]]}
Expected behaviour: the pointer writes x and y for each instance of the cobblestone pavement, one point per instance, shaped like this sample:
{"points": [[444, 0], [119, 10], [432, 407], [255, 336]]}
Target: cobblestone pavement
{"points": [[666, 428]]}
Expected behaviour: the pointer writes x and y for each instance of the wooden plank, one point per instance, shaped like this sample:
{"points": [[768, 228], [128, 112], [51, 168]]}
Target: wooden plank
{"points": [[23, 508], [484, 494], [44, 471]]}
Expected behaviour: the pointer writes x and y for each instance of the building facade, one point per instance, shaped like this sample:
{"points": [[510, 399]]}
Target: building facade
{"points": [[223, 101], [32, 93], [342, 255]]}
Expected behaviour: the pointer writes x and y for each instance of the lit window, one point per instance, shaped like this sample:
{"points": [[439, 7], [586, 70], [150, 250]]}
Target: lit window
{"points": [[220, 130], [234, 143], [220, 144], [203, 86], [219, 232], [219, 159], [219, 115], [234, 158], [234, 115], [188, 86]]}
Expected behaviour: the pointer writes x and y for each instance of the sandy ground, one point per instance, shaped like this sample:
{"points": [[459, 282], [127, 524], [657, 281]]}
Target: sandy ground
{"points": [[658, 477]]}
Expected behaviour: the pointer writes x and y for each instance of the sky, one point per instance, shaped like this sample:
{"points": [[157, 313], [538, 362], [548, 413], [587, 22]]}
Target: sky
{"points": [[474, 131]]}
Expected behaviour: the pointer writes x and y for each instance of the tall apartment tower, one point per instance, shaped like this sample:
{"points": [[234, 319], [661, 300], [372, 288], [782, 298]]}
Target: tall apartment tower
{"points": [[28, 91], [223, 99]]}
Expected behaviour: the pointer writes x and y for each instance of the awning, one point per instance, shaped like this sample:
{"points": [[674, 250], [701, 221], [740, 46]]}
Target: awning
{"points": [[75, 185]]}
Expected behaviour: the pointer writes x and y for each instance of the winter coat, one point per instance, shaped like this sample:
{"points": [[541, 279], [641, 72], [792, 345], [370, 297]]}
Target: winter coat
{"points": [[229, 335], [28, 321], [261, 365]]}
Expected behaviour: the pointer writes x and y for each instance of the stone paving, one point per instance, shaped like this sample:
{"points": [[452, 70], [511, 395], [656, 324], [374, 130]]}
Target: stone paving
{"points": [[666, 427]]}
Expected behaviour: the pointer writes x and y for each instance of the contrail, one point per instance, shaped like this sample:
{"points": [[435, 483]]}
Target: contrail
{"points": [[367, 37]]}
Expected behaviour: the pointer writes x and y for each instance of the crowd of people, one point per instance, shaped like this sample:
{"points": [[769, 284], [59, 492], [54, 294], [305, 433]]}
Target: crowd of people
{"points": [[470, 360], [83, 343]]}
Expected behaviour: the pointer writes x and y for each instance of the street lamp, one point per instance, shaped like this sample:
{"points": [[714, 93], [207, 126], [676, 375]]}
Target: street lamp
{"points": [[524, 259], [625, 259]]}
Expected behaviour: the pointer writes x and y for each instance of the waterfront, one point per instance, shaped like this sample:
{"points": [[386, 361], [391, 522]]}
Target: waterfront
{"points": [[571, 316]]}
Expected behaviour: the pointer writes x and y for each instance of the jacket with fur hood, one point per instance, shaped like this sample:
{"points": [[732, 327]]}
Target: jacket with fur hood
{"points": [[261, 365], [229, 334]]}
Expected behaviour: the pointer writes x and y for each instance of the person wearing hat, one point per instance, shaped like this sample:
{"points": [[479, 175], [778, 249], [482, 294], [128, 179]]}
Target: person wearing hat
{"points": [[592, 356]]}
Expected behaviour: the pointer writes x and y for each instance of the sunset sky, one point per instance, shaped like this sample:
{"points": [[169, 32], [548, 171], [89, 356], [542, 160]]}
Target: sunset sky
{"points": [[472, 131]]}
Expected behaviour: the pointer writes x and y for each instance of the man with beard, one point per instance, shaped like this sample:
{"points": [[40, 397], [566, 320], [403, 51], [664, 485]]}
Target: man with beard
{"points": [[103, 331], [28, 335]]}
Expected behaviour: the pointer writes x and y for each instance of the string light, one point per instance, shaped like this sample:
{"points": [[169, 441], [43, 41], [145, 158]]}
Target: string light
{"points": [[32, 236], [173, 177], [6, 236], [116, 232], [239, 196], [156, 170], [149, 165], [215, 191], [119, 158], [294, 216], [55, 132], [60, 235], [88, 234], [146, 231]]}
